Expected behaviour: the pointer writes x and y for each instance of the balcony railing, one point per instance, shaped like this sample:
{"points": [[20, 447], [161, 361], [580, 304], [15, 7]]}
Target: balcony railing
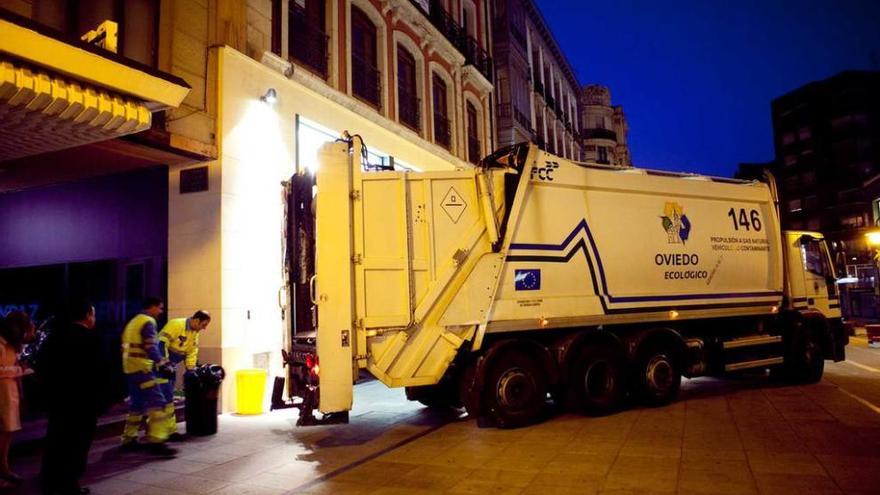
{"points": [[479, 58], [366, 81], [452, 31], [522, 118], [474, 149], [599, 134], [442, 132], [510, 111], [444, 22], [409, 110], [308, 41]]}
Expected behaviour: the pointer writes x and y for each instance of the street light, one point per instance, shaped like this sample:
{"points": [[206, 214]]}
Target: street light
{"points": [[270, 97], [873, 239]]}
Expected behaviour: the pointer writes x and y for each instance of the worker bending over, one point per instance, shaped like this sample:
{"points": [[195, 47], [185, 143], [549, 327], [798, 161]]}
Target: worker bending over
{"points": [[142, 363], [179, 341]]}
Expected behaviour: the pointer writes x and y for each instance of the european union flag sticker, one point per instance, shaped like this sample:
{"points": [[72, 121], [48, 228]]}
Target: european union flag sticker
{"points": [[527, 279]]}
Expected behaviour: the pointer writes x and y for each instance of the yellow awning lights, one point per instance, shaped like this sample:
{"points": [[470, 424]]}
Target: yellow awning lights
{"points": [[40, 112], [57, 93]]}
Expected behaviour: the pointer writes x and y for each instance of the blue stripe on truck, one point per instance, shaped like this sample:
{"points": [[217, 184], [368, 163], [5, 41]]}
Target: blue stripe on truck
{"points": [[582, 225]]}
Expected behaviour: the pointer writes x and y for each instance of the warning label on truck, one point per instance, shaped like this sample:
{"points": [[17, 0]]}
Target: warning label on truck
{"points": [[453, 205]]}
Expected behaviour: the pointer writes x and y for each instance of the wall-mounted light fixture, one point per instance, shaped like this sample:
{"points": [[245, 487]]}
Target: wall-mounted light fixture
{"points": [[270, 97]]}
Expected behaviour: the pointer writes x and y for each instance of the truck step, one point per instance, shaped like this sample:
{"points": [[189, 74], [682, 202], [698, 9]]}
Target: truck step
{"points": [[753, 341], [758, 363]]}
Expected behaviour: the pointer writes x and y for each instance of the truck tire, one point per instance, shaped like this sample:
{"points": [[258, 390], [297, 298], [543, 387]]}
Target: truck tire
{"points": [[596, 383], [658, 374], [804, 363], [515, 390]]}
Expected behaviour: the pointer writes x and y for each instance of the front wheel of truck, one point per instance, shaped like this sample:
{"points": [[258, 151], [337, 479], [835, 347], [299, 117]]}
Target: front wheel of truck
{"points": [[804, 362], [515, 390]]}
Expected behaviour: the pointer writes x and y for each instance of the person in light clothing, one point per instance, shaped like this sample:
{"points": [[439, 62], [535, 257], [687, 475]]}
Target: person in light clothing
{"points": [[15, 330]]}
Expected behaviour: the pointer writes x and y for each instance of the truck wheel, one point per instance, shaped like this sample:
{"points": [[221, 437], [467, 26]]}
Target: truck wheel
{"points": [[596, 380], [805, 362], [658, 375], [515, 390]]}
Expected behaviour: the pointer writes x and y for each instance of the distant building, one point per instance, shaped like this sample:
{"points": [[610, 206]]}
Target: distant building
{"points": [[827, 140], [535, 86], [603, 127]]}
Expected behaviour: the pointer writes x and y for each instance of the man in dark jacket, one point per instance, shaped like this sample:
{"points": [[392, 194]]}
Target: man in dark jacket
{"points": [[77, 381]]}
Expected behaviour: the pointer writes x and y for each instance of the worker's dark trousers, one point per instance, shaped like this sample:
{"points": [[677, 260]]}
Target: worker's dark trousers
{"points": [[68, 440]]}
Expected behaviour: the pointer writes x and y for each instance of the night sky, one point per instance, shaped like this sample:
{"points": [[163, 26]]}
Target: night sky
{"points": [[696, 78]]}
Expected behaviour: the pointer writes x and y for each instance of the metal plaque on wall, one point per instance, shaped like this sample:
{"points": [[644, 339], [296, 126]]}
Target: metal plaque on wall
{"points": [[193, 180]]}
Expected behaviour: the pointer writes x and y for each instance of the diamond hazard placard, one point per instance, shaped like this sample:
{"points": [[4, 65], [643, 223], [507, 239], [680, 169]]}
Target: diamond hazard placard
{"points": [[453, 205]]}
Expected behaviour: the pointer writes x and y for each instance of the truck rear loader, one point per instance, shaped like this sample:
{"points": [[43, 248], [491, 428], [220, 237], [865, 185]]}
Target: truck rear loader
{"points": [[531, 277]]}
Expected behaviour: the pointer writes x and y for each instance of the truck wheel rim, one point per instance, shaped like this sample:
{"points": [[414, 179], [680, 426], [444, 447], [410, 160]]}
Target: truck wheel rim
{"points": [[598, 379], [515, 389], [659, 373]]}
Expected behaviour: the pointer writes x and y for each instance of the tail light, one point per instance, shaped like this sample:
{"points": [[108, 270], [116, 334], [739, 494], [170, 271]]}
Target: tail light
{"points": [[312, 365]]}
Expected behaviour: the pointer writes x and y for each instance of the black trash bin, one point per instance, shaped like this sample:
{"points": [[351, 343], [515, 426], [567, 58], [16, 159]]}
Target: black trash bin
{"points": [[201, 389]]}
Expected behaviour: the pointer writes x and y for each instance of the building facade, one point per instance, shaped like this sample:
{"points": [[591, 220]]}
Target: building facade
{"points": [[827, 140], [264, 84], [603, 127], [536, 88]]}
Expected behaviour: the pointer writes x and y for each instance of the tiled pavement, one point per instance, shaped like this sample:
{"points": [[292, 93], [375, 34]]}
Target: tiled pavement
{"points": [[724, 436]]}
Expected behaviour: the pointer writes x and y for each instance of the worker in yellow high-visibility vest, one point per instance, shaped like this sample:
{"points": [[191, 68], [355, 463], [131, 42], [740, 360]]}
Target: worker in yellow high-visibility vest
{"points": [[179, 342], [143, 364]]}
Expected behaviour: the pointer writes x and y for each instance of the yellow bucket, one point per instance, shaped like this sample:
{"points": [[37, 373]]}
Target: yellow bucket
{"points": [[250, 385]]}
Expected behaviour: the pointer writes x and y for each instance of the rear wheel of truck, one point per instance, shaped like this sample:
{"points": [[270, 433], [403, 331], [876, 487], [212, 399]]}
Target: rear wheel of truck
{"points": [[515, 390], [658, 374], [596, 380], [804, 362]]}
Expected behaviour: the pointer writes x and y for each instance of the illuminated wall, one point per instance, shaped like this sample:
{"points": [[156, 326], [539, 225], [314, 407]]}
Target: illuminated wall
{"points": [[257, 151]]}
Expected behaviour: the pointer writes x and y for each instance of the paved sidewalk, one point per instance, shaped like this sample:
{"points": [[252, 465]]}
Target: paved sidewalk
{"points": [[735, 436], [263, 454]]}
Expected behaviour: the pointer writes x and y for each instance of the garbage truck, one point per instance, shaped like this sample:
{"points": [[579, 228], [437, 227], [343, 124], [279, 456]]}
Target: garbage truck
{"points": [[531, 279]]}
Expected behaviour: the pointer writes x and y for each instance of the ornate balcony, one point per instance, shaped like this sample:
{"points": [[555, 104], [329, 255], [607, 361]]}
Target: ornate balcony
{"points": [[452, 31], [522, 118], [479, 58]]}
